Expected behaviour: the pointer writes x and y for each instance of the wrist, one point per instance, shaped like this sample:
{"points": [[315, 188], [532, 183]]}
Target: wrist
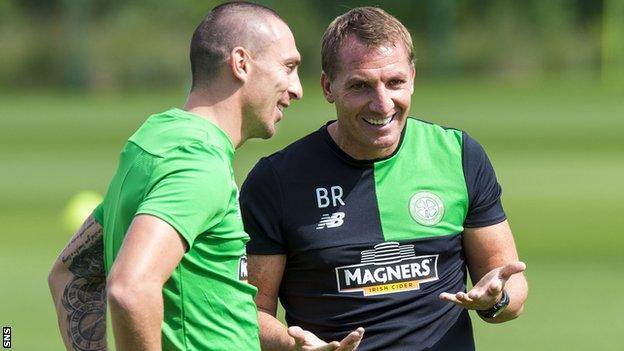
{"points": [[497, 308]]}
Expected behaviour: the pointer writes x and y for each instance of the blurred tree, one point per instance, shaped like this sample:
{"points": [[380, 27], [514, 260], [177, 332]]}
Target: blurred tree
{"points": [[555, 28], [613, 42], [441, 21], [307, 22], [76, 17], [117, 44]]}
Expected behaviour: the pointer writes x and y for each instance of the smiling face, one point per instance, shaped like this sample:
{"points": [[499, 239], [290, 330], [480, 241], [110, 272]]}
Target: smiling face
{"points": [[372, 91], [273, 82]]}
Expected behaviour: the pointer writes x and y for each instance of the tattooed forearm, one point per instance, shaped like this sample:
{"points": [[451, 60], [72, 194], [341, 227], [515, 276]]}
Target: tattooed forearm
{"points": [[85, 302], [82, 312], [89, 232]]}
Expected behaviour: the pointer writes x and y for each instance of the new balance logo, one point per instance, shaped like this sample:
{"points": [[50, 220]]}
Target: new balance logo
{"points": [[332, 220]]}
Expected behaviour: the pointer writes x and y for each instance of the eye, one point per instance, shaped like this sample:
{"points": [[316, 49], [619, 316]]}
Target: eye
{"points": [[357, 86], [291, 66], [396, 82]]}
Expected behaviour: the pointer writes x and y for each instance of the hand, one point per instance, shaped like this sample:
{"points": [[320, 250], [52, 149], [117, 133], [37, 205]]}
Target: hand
{"points": [[488, 290], [306, 341]]}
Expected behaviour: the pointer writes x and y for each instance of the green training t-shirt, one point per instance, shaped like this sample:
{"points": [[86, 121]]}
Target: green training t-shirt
{"points": [[178, 167]]}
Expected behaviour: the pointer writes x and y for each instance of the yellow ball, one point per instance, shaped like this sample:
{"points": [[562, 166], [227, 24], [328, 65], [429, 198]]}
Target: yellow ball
{"points": [[79, 208]]}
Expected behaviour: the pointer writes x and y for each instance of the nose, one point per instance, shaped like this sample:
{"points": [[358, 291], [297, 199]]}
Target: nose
{"points": [[295, 90], [381, 102]]}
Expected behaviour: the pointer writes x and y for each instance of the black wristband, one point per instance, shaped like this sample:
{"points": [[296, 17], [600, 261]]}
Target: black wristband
{"points": [[497, 308]]}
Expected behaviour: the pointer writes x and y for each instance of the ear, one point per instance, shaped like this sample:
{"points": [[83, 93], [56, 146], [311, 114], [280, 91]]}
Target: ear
{"points": [[413, 72], [240, 63], [326, 86]]}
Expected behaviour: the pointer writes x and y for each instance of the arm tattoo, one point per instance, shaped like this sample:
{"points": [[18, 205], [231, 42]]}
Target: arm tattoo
{"points": [[84, 297]]}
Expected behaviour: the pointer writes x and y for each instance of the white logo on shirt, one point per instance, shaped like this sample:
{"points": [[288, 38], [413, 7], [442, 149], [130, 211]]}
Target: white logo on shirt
{"points": [[327, 196], [426, 208], [242, 268], [387, 268], [332, 220]]}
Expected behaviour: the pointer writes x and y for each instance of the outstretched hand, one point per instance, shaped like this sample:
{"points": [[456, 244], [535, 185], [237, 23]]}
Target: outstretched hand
{"points": [[488, 290], [306, 341]]}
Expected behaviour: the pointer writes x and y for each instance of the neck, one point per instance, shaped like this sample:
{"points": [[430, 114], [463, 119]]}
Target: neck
{"points": [[221, 110], [355, 150]]}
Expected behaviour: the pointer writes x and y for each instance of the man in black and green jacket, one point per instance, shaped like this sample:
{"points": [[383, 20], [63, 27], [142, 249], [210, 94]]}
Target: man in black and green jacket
{"points": [[373, 220]]}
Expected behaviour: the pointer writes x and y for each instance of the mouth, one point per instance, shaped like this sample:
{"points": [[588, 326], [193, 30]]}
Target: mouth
{"points": [[281, 106], [379, 122]]}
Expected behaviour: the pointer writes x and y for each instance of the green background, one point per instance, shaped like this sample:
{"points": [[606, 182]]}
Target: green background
{"points": [[553, 132], [557, 150]]}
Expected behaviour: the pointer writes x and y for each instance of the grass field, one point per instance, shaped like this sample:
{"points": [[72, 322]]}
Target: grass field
{"points": [[557, 148]]}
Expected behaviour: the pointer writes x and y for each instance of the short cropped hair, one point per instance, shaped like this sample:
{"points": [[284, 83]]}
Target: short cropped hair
{"points": [[373, 26], [224, 28]]}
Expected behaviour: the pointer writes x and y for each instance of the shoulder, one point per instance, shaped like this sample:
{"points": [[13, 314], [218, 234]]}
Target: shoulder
{"points": [[176, 132], [196, 163], [429, 134], [420, 126], [302, 145], [448, 137], [307, 151], [471, 146], [199, 153]]}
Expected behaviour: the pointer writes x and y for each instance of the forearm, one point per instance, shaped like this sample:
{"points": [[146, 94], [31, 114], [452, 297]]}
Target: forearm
{"points": [[517, 289], [57, 281], [137, 315], [77, 285], [493, 263], [80, 305], [273, 334], [265, 273]]}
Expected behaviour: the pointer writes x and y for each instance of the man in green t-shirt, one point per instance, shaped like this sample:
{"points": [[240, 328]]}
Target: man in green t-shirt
{"points": [[166, 247]]}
